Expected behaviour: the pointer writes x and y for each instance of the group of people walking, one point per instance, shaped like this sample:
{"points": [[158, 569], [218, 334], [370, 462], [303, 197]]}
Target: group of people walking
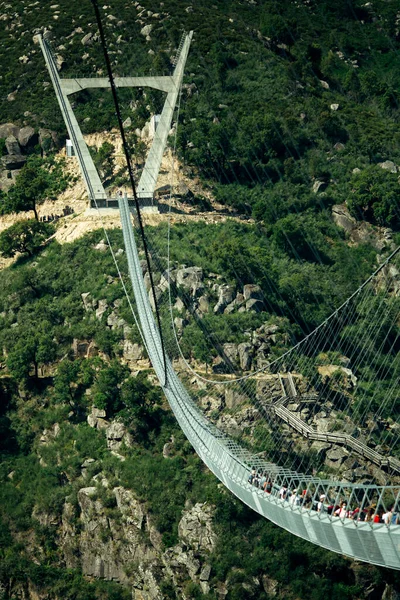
{"points": [[321, 503]]}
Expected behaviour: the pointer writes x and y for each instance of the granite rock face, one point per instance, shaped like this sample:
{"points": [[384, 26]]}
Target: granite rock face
{"points": [[110, 535], [195, 528]]}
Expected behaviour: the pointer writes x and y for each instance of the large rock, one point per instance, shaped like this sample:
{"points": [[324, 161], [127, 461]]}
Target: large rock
{"points": [[102, 246], [8, 129], [204, 304], [108, 545], [12, 162], [12, 145], [226, 294], [195, 528], [190, 278], [318, 185], [84, 348], [115, 322], [132, 352], [347, 378], [254, 305], [87, 39], [342, 217], [157, 294], [146, 30], [252, 291], [231, 352], [390, 593], [183, 562], [101, 308], [335, 457], [245, 354], [48, 140], [130, 507], [96, 418], [87, 301], [323, 424], [116, 435], [269, 389], [271, 586], [27, 137]]}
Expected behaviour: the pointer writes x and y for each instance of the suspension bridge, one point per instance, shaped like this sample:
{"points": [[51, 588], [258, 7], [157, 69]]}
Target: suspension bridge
{"points": [[292, 496]]}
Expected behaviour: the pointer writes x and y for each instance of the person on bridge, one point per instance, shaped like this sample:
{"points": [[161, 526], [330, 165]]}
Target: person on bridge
{"points": [[342, 511], [320, 505]]}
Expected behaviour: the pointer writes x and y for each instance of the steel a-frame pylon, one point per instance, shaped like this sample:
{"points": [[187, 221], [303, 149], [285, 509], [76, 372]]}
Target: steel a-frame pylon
{"points": [[170, 84]]}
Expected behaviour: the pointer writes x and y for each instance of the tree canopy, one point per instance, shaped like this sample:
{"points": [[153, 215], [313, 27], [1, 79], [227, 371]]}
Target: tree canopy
{"points": [[25, 237]]}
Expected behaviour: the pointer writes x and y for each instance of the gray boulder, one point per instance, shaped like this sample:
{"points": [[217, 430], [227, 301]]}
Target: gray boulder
{"points": [[204, 304], [87, 300], [87, 39], [226, 294], [245, 350], [115, 322], [252, 291], [254, 305], [12, 162], [101, 309], [190, 278], [231, 352], [146, 30], [8, 129], [27, 137], [342, 217], [12, 145], [117, 434], [132, 352], [96, 416]]}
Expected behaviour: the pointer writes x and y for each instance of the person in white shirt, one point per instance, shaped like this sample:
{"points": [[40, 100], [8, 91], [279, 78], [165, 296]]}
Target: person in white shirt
{"points": [[387, 517], [342, 510], [282, 493], [320, 505]]}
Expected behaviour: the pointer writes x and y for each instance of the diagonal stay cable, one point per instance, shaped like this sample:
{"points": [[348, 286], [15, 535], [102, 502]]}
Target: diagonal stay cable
{"points": [[131, 178]]}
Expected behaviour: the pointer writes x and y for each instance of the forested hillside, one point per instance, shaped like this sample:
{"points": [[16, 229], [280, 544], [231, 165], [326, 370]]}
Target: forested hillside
{"points": [[280, 99], [289, 119]]}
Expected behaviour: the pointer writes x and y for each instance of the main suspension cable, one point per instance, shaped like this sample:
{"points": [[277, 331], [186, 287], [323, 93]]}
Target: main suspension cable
{"points": [[131, 178]]}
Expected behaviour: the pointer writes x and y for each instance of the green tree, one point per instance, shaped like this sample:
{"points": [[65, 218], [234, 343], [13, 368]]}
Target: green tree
{"points": [[33, 348], [375, 196], [30, 189], [25, 237], [140, 400], [107, 387]]}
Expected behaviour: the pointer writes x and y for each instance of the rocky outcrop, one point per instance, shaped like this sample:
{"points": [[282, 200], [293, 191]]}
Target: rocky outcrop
{"points": [[12, 145], [18, 143], [132, 352], [97, 418], [84, 348], [195, 528], [226, 294], [191, 279], [110, 535], [117, 435], [108, 546], [27, 137], [360, 231]]}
